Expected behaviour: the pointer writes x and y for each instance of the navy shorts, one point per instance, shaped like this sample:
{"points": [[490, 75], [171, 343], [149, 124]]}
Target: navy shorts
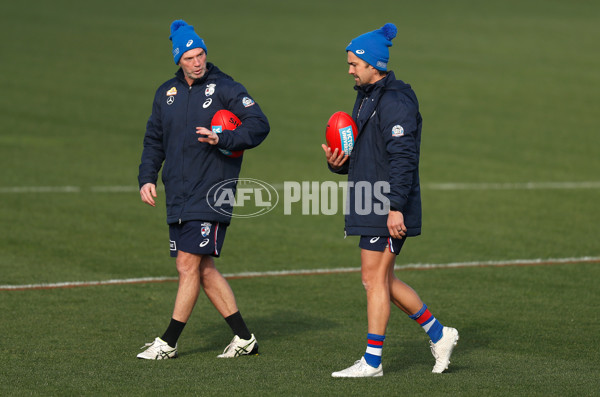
{"points": [[197, 237], [381, 243]]}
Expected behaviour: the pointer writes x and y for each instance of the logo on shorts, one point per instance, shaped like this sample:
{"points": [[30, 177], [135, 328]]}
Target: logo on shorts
{"points": [[205, 231], [204, 242], [172, 245], [374, 240]]}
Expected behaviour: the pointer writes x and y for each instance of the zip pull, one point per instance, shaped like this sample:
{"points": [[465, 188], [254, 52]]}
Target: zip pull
{"points": [[361, 105]]}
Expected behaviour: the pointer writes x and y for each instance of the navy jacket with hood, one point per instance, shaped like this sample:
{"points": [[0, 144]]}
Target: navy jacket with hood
{"points": [[387, 148], [192, 168]]}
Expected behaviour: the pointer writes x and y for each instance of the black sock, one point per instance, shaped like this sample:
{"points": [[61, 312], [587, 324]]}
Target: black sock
{"points": [[238, 326], [173, 332]]}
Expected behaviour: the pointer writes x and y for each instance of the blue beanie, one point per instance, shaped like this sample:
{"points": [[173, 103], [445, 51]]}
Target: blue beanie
{"points": [[184, 39], [372, 47]]}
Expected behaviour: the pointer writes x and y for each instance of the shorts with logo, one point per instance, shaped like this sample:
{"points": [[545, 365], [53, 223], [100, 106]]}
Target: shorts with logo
{"points": [[381, 243], [197, 237]]}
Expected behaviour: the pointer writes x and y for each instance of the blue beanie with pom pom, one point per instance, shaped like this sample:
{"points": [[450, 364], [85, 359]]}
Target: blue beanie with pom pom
{"points": [[184, 38], [372, 47]]}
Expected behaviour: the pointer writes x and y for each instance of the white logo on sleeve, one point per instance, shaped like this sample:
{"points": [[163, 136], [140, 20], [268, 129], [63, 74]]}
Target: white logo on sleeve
{"points": [[397, 130], [247, 102]]}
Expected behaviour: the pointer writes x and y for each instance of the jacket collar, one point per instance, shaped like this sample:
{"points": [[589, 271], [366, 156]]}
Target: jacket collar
{"points": [[210, 68], [368, 98], [366, 90]]}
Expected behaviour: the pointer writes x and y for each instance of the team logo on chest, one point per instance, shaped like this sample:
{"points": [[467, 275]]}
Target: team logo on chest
{"points": [[205, 230], [171, 95], [210, 89]]}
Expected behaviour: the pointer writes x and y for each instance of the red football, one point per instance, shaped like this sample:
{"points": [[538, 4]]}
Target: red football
{"points": [[341, 132], [225, 120]]}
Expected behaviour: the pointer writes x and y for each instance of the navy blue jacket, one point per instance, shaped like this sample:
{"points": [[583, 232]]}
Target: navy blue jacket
{"points": [[387, 149], [191, 168]]}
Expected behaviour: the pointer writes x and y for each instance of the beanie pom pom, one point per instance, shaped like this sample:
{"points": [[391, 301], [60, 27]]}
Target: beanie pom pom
{"points": [[177, 24], [389, 31]]}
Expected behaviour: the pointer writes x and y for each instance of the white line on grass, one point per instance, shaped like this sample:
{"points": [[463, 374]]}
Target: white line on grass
{"points": [[280, 187], [40, 189], [514, 186], [304, 272]]}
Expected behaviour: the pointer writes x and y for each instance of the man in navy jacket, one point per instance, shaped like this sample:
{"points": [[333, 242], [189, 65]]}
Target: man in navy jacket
{"points": [[177, 136], [386, 153]]}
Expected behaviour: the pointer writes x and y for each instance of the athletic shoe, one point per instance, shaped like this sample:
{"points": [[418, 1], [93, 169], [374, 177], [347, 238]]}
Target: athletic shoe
{"points": [[240, 347], [360, 369], [442, 350], [158, 350]]}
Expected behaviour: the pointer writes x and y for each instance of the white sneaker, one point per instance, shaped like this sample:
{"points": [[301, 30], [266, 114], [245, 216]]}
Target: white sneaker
{"points": [[360, 369], [442, 350], [158, 350], [240, 347]]}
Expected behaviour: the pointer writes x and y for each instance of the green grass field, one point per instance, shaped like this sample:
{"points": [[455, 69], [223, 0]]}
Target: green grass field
{"points": [[510, 168]]}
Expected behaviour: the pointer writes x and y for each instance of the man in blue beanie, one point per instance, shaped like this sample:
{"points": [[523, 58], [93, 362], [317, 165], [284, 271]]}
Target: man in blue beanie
{"points": [[386, 152], [195, 160]]}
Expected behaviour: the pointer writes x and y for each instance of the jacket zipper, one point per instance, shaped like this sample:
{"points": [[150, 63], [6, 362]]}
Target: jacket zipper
{"points": [[182, 154]]}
